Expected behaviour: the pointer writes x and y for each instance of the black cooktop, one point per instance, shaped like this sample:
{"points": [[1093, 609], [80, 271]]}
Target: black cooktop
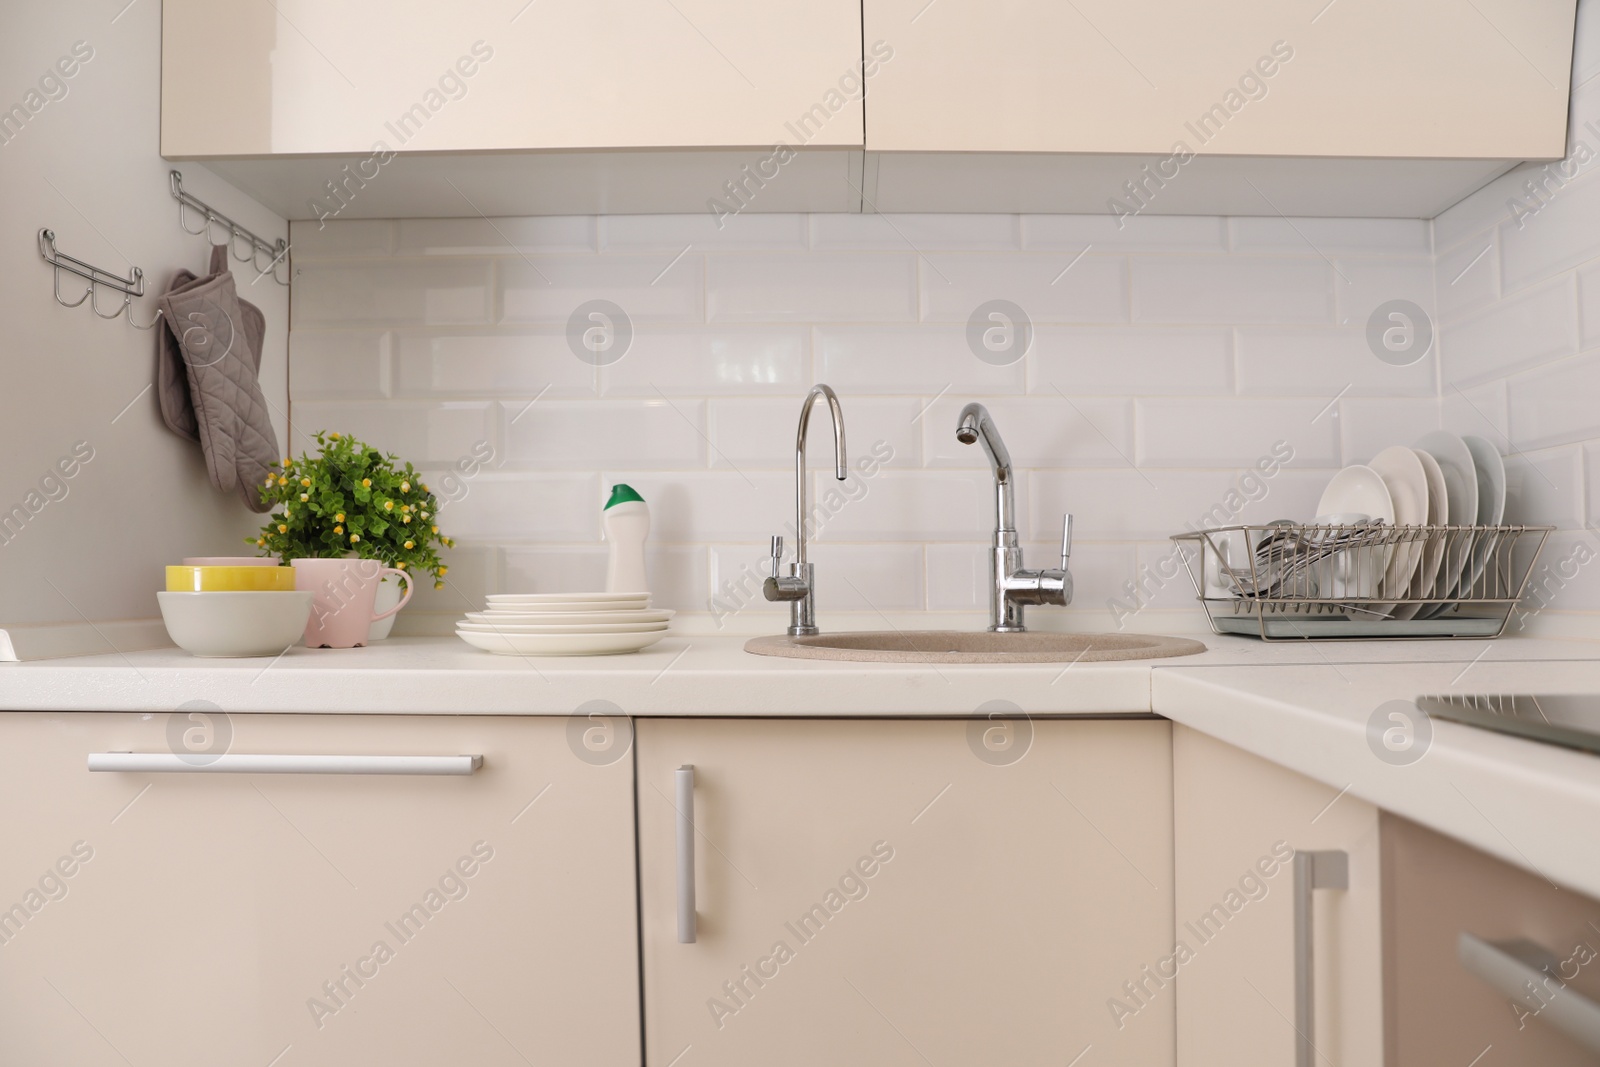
{"points": [[1557, 718]]}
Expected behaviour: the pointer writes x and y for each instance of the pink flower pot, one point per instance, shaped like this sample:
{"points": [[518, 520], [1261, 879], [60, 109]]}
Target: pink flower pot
{"points": [[342, 605]]}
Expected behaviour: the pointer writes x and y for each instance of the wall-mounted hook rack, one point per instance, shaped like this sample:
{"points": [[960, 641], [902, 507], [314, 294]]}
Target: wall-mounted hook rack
{"points": [[97, 278], [277, 254]]}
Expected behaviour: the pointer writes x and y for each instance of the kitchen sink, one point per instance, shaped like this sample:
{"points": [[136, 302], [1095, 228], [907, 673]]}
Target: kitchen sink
{"points": [[968, 646]]}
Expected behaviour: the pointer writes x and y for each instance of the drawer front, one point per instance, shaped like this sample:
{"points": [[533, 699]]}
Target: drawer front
{"points": [[201, 915]]}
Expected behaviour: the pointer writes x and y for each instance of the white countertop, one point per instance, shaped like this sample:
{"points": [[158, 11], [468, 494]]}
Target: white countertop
{"points": [[1303, 705]]}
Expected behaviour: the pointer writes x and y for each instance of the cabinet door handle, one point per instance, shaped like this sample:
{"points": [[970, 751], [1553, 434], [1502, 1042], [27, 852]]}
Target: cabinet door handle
{"points": [[1312, 871], [251, 763], [686, 915], [1517, 968]]}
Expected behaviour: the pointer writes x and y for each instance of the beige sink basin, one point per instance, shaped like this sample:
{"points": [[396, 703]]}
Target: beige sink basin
{"points": [[967, 646]]}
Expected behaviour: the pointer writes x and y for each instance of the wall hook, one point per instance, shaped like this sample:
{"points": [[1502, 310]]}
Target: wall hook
{"points": [[98, 279]]}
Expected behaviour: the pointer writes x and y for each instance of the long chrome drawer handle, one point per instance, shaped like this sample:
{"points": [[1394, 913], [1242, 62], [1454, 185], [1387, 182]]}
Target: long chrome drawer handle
{"points": [[250, 763], [1519, 969], [687, 924], [1312, 871]]}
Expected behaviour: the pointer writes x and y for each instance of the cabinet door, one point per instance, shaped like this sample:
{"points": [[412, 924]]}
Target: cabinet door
{"points": [[193, 919], [907, 892], [241, 77], [1237, 821], [1420, 79]]}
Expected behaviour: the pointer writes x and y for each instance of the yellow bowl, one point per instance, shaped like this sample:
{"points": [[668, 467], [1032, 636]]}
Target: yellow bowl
{"points": [[229, 579]]}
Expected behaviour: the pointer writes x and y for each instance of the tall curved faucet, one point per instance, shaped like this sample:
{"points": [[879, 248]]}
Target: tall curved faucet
{"points": [[1010, 586], [798, 587]]}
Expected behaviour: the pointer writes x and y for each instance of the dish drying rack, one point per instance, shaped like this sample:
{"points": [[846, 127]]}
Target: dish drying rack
{"points": [[1288, 581]]}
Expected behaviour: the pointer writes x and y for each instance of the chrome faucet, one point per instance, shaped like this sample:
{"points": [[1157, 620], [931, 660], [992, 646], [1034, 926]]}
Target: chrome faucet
{"points": [[1010, 586], [799, 586]]}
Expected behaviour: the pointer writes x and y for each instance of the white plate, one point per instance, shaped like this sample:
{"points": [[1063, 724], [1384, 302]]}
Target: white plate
{"points": [[561, 618], [567, 598], [1422, 583], [1407, 482], [1357, 490], [567, 607], [1490, 470], [1461, 488], [566, 628], [560, 644]]}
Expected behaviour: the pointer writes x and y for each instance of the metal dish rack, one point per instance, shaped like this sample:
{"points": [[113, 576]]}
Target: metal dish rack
{"points": [[1289, 581]]}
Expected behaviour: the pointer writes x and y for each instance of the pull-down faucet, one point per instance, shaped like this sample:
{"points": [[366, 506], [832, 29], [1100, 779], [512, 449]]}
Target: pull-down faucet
{"points": [[1010, 586], [798, 587]]}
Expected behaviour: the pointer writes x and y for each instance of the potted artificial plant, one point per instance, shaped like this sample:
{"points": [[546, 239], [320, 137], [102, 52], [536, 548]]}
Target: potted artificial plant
{"points": [[351, 500]]}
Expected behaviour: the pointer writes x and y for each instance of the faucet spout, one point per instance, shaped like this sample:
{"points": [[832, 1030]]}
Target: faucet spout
{"points": [[840, 462], [976, 427]]}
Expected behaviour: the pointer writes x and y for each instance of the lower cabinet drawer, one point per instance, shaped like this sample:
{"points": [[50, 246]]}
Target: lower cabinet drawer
{"points": [[1483, 959], [200, 914]]}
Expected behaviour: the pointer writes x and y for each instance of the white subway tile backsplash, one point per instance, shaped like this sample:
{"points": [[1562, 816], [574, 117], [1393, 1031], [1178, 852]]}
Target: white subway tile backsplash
{"points": [[1325, 361], [1195, 346], [759, 434], [1330, 237], [508, 508], [1521, 330], [747, 230], [1560, 236], [915, 233], [1107, 233], [1232, 289], [426, 434], [526, 362], [1130, 360], [389, 294], [1555, 404], [1048, 288], [471, 578], [1057, 431], [814, 288], [1546, 487], [574, 435], [541, 235], [711, 361], [348, 364], [1365, 285], [1219, 432], [551, 289], [918, 360]]}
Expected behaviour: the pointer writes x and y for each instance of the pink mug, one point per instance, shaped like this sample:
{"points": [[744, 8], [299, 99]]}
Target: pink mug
{"points": [[342, 605]]}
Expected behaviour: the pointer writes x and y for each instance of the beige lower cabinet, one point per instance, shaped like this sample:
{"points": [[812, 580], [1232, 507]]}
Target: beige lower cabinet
{"points": [[1238, 822], [188, 918], [879, 893]]}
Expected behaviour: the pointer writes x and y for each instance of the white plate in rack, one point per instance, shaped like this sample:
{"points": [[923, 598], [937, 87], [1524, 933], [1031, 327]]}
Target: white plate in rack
{"points": [[560, 644]]}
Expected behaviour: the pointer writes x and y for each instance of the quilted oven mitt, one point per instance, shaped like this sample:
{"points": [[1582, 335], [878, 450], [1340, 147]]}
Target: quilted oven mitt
{"points": [[206, 378]]}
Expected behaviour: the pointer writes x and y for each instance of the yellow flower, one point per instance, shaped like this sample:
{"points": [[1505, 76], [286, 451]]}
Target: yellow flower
{"points": [[424, 514], [405, 487], [338, 529], [424, 486], [333, 436], [443, 571], [435, 529], [405, 507], [261, 542], [438, 585], [305, 482], [354, 538], [339, 517], [366, 483], [388, 505], [287, 512], [305, 498], [400, 566], [411, 544], [286, 462], [405, 518], [269, 481], [282, 528]]}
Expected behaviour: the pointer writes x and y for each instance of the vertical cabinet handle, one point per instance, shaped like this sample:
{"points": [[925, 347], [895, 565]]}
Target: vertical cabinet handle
{"points": [[1312, 871], [685, 805]]}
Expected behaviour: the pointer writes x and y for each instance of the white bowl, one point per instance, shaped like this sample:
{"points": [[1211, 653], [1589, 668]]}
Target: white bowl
{"points": [[236, 624]]}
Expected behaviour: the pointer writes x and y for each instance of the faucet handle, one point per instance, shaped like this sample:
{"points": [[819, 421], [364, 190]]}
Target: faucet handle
{"points": [[777, 554], [1066, 540]]}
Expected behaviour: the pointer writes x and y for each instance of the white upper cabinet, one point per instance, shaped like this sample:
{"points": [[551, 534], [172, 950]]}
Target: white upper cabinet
{"points": [[1378, 78], [245, 78]]}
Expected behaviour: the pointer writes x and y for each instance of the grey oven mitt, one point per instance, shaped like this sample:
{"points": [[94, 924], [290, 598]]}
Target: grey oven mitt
{"points": [[206, 378]]}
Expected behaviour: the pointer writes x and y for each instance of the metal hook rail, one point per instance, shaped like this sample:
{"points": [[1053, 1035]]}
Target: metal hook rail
{"points": [[254, 245], [97, 278]]}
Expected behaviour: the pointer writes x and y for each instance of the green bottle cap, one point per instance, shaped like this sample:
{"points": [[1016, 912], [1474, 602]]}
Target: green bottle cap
{"points": [[621, 493]]}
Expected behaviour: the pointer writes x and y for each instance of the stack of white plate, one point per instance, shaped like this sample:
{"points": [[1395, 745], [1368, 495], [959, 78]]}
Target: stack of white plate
{"points": [[565, 624]]}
